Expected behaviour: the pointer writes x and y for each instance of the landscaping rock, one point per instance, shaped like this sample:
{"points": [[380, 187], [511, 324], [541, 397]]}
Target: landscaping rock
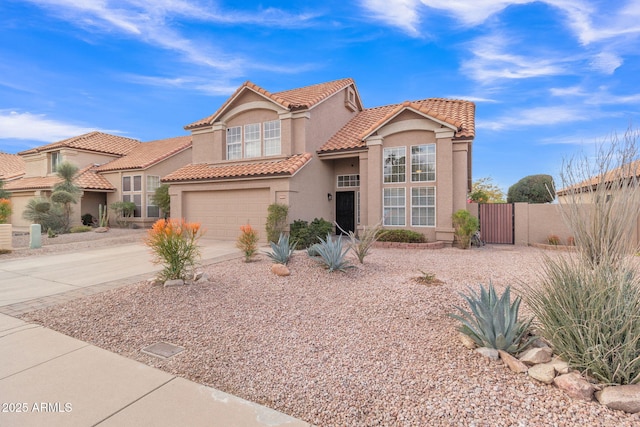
{"points": [[101, 230], [491, 353], [203, 278], [536, 355], [575, 386], [560, 365], [175, 282], [514, 364], [622, 398], [153, 281], [543, 372], [280, 270], [197, 275], [467, 341]]}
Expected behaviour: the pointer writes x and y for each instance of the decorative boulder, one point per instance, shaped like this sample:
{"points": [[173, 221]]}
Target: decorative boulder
{"points": [[622, 398], [175, 282], [543, 372], [536, 355], [280, 270], [575, 386], [514, 364], [491, 353]]}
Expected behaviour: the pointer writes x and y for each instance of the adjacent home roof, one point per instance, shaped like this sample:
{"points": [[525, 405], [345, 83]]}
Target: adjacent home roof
{"points": [[11, 166], [203, 171], [148, 154], [623, 172], [86, 178], [92, 141], [457, 114], [293, 100]]}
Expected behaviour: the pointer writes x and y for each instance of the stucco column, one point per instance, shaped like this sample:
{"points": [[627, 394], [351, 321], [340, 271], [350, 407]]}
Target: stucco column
{"points": [[363, 168], [460, 177], [373, 183], [445, 189]]}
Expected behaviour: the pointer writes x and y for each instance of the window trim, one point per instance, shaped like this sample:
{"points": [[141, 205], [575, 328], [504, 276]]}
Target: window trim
{"points": [[235, 144], [384, 161], [150, 190], [427, 163], [267, 140], [427, 206], [258, 141]]}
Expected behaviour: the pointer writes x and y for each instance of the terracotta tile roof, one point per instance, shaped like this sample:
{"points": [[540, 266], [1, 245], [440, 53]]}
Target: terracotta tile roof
{"points": [[294, 99], [204, 171], [11, 166], [86, 178], [92, 141], [148, 154], [457, 113], [628, 170]]}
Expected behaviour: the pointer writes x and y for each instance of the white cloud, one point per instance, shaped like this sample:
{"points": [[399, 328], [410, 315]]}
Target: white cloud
{"points": [[568, 91], [472, 12], [37, 127], [606, 62], [210, 87], [476, 99], [396, 13], [538, 116]]}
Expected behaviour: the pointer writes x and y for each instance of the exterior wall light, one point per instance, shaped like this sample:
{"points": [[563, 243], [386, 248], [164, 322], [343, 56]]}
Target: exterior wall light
{"points": [[329, 197]]}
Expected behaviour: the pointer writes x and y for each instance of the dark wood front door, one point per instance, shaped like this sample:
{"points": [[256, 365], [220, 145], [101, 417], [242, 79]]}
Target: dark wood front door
{"points": [[345, 211]]}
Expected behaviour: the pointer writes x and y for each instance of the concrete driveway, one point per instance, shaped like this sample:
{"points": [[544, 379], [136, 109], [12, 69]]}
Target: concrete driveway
{"points": [[39, 281]]}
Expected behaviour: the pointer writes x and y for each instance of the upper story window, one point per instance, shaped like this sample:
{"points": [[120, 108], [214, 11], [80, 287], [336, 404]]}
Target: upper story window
{"points": [[272, 144], [423, 163], [394, 164], [252, 140], [234, 143], [56, 159], [247, 141]]}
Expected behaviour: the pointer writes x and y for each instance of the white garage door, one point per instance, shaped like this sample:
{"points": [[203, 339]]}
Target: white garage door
{"points": [[223, 212]]}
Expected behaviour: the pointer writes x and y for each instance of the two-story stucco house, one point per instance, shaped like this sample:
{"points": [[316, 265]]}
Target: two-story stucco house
{"points": [[111, 168], [319, 151]]}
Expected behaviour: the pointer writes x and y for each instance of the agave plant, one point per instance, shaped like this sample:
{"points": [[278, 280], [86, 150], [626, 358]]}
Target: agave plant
{"points": [[330, 253], [493, 321], [281, 251]]}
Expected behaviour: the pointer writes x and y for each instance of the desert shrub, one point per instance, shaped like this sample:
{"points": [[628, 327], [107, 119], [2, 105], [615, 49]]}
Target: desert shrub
{"points": [[282, 250], [552, 239], [174, 244], [276, 220], [571, 241], [361, 244], [4, 194], [5, 210], [42, 211], [532, 189], [465, 225], [493, 320], [80, 229], [124, 211], [331, 253], [403, 236], [65, 193], [248, 242], [162, 199], [87, 219], [306, 234]]}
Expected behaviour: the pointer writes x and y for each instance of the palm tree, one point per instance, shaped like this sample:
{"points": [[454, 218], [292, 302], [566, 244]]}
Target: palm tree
{"points": [[66, 192]]}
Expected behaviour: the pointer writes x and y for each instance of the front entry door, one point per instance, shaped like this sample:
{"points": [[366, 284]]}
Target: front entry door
{"points": [[345, 211]]}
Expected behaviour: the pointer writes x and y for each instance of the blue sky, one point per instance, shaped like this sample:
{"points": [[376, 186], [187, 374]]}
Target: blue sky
{"points": [[549, 78]]}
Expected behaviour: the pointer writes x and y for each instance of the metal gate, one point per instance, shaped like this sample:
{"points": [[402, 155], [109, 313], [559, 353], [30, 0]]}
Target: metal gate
{"points": [[497, 222]]}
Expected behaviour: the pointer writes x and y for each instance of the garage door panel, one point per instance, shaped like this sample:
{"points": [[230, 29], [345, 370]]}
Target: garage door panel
{"points": [[223, 212]]}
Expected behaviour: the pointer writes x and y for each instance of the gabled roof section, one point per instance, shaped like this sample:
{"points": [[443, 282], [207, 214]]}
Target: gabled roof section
{"points": [[92, 141], [87, 178], [147, 154], [293, 99], [11, 166], [205, 172], [457, 114]]}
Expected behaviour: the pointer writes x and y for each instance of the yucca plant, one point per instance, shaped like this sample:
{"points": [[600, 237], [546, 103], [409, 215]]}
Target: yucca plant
{"points": [[281, 252], [493, 321], [361, 245], [331, 253]]}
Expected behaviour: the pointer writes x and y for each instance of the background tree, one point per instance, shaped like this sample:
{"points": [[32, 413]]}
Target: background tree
{"points": [[162, 199], [4, 194], [66, 192], [532, 189], [484, 190]]}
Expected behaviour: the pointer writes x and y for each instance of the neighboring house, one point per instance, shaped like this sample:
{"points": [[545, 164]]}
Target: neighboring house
{"points": [[11, 167], [102, 160], [137, 175], [616, 182], [317, 150]]}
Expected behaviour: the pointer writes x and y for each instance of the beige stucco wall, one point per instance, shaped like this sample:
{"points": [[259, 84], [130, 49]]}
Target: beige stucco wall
{"points": [[308, 192], [38, 164], [325, 120], [19, 201]]}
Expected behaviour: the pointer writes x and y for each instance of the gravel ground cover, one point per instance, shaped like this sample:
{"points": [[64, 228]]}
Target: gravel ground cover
{"points": [[369, 347]]}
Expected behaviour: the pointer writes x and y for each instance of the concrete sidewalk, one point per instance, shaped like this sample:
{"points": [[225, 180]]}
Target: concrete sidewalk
{"points": [[50, 379]]}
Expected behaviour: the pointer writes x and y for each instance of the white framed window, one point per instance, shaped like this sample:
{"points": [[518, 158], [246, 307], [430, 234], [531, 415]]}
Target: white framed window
{"points": [[423, 206], [272, 144], [56, 159], [234, 143], [132, 192], [394, 164], [252, 144], [423, 163], [345, 181], [153, 183], [393, 206]]}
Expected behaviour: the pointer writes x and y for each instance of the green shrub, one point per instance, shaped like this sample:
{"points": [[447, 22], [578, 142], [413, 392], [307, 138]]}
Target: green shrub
{"points": [[282, 250], [532, 189], [331, 253], [80, 229], [174, 244], [402, 236], [465, 226], [87, 219], [123, 210], [493, 321], [306, 234], [276, 220], [162, 199], [49, 215], [591, 317], [5, 210]]}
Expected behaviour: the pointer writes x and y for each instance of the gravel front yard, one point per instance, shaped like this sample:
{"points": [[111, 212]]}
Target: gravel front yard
{"points": [[370, 347]]}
